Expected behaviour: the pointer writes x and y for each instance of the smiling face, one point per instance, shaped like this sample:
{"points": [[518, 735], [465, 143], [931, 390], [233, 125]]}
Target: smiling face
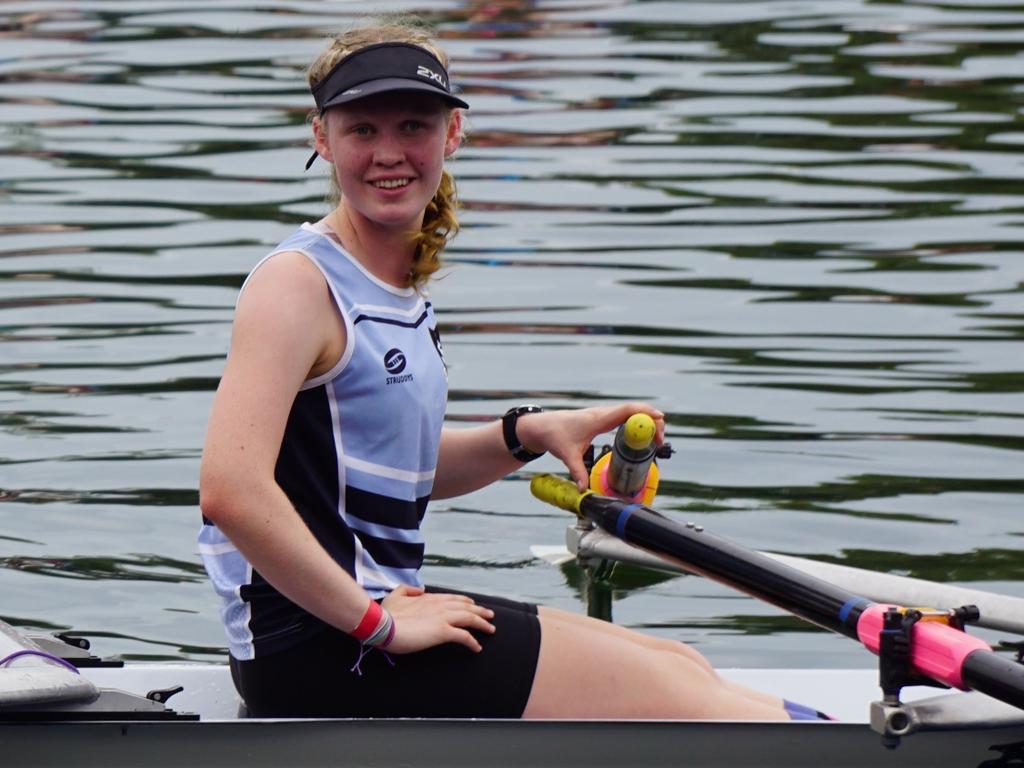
{"points": [[388, 152]]}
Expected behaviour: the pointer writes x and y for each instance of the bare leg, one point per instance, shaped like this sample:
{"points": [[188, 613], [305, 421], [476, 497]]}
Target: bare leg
{"points": [[589, 672], [657, 644]]}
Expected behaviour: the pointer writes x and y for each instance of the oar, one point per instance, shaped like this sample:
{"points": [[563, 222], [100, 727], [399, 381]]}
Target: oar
{"points": [[1000, 612], [938, 651]]}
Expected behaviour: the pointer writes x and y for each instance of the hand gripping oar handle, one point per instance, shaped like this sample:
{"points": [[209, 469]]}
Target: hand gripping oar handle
{"points": [[628, 470], [938, 651]]}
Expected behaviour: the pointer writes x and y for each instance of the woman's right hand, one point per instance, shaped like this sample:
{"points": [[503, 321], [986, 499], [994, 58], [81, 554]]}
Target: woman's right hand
{"points": [[423, 620]]}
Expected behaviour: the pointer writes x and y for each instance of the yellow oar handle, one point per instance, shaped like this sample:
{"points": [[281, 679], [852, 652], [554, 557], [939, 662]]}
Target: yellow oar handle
{"points": [[559, 492], [638, 431]]}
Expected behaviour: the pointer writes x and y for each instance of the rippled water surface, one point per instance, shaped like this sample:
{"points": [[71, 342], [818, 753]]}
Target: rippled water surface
{"points": [[796, 227]]}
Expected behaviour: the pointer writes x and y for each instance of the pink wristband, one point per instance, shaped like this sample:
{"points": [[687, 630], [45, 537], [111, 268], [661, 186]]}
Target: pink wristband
{"points": [[370, 622]]}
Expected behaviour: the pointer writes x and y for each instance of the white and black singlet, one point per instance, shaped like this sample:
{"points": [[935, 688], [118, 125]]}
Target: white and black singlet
{"points": [[357, 461]]}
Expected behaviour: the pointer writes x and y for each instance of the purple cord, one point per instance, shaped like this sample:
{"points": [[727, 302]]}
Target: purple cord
{"points": [[365, 649], [30, 652]]}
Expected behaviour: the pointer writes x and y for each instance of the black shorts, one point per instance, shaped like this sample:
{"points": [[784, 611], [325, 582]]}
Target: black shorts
{"points": [[317, 678]]}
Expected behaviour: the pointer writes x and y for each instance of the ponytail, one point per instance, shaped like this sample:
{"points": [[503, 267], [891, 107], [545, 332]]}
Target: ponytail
{"points": [[440, 224]]}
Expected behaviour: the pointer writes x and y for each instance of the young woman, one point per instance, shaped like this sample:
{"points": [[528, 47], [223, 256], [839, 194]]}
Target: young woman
{"points": [[326, 441]]}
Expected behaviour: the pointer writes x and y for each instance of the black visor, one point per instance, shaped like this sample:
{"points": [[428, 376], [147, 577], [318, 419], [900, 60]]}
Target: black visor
{"points": [[381, 68]]}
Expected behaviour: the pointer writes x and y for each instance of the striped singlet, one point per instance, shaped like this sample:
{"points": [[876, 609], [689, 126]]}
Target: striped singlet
{"points": [[358, 455]]}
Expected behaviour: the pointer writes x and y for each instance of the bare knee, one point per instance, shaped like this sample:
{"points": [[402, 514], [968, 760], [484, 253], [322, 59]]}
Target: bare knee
{"points": [[595, 674], [677, 648], [648, 641]]}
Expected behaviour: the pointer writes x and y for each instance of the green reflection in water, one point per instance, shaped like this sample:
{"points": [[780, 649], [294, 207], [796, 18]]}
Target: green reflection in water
{"points": [[976, 565], [108, 568], [144, 497], [856, 488], [745, 624]]}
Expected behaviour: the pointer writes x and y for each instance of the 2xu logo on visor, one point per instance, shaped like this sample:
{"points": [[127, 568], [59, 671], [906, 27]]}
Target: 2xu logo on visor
{"points": [[431, 75]]}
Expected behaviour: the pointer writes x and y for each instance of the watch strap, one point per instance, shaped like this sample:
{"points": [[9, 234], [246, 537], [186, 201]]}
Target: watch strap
{"points": [[508, 430]]}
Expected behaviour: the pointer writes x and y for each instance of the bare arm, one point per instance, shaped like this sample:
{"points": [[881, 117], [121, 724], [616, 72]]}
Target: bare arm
{"points": [[277, 338], [285, 328], [473, 458]]}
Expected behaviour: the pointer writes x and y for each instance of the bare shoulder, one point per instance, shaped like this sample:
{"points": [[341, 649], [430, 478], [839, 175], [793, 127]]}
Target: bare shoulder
{"points": [[287, 287], [286, 316], [286, 275], [286, 295]]}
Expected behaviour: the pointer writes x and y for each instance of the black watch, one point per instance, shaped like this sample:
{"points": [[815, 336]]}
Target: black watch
{"points": [[508, 429]]}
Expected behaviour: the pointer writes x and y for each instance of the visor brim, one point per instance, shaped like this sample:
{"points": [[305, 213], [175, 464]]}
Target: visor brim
{"points": [[391, 85]]}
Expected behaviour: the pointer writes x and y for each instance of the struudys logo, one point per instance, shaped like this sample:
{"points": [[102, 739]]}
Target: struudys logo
{"points": [[394, 363]]}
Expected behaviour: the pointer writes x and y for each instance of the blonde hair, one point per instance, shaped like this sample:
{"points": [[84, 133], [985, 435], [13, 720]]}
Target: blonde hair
{"points": [[440, 222]]}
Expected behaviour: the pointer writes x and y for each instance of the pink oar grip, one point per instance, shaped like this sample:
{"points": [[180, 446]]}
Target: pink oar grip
{"points": [[936, 650]]}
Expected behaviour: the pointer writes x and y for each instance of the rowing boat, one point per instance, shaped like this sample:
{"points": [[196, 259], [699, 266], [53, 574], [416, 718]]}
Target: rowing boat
{"points": [[202, 725], [61, 705], [103, 714]]}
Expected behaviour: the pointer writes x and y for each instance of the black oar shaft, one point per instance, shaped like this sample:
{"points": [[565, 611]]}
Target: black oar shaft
{"points": [[999, 677], [697, 550]]}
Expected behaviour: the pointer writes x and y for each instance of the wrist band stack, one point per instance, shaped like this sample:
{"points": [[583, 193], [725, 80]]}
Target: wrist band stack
{"points": [[377, 627]]}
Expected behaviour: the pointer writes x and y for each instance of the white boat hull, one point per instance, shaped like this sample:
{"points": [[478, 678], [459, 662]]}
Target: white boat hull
{"points": [[220, 738], [845, 694]]}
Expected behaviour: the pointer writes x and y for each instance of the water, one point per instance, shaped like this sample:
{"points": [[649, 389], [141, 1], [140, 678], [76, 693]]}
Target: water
{"points": [[793, 226]]}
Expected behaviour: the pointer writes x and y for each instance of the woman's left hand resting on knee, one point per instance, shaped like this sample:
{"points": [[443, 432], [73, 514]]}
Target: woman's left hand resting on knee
{"points": [[423, 620]]}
